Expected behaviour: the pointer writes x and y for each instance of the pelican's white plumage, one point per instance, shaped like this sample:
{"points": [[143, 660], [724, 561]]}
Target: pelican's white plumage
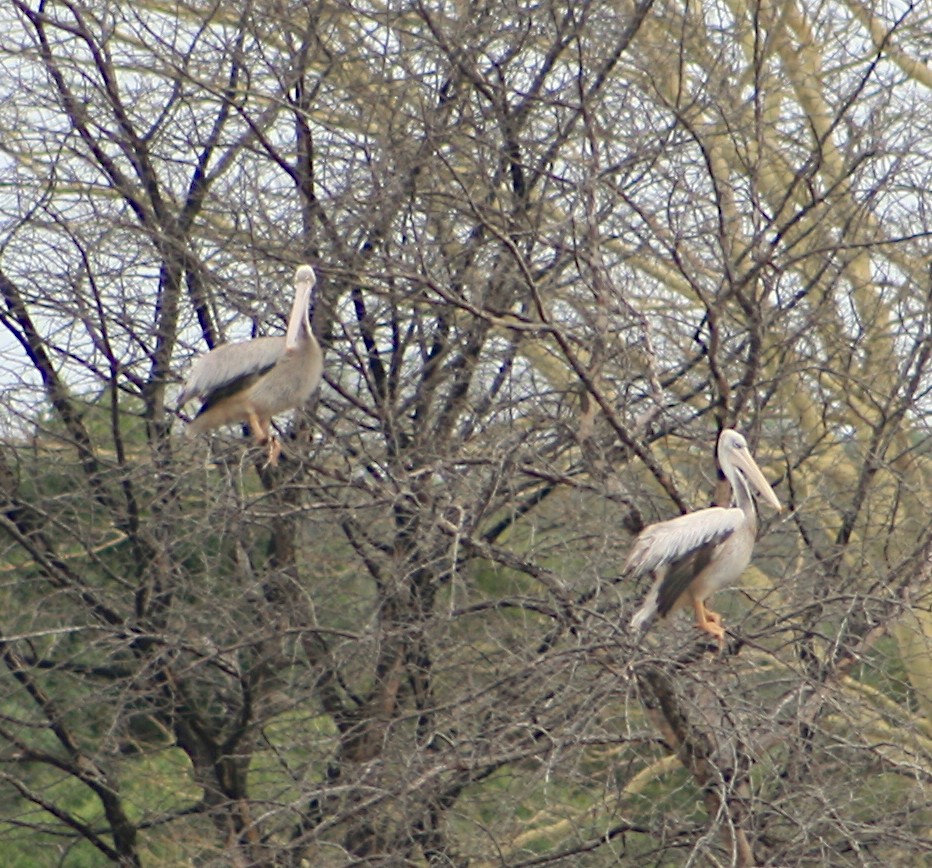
{"points": [[210, 371], [667, 541], [251, 381], [692, 556]]}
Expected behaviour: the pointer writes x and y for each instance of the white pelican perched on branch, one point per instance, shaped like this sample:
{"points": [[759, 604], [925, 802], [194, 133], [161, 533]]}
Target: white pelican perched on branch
{"points": [[694, 555], [251, 381]]}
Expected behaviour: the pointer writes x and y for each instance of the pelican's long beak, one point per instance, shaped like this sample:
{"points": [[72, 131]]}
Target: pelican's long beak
{"points": [[756, 479], [304, 281]]}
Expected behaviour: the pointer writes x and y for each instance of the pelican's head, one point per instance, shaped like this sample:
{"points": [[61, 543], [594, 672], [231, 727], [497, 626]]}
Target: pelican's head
{"points": [[735, 457]]}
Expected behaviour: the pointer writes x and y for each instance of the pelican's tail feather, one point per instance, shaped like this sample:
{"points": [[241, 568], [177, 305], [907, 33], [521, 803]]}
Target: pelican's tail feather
{"points": [[644, 617]]}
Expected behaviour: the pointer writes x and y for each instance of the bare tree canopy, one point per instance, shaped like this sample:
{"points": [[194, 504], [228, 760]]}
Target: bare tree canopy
{"points": [[559, 247]]}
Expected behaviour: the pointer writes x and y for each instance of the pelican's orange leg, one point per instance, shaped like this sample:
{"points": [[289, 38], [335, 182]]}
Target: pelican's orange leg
{"points": [[264, 436], [709, 621], [275, 449]]}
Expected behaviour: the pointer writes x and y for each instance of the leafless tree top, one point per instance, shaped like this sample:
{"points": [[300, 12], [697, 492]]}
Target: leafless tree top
{"points": [[559, 248]]}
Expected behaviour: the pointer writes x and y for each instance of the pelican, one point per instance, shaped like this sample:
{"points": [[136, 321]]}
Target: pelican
{"points": [[251, 381], [694, 555]]}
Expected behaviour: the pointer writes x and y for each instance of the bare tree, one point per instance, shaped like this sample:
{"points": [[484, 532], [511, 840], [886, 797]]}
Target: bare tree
{"points": [[560, 246]]}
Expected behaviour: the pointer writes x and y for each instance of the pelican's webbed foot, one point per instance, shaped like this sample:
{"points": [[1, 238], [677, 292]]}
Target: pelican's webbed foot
{"points": [[709, 621]]}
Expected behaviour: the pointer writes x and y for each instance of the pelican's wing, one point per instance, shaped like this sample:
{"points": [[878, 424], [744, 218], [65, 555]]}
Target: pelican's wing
{"points": [[680, 575], [229, 368], [669, 541]]}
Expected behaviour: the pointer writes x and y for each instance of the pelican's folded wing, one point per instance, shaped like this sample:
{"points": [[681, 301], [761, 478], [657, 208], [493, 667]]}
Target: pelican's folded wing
{"points": [[229, 367], [668, 541]]}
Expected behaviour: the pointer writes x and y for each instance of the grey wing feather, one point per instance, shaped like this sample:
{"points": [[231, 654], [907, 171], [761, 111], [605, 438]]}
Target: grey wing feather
{"points": [[680, 575], [229, 364], [669, 541]]}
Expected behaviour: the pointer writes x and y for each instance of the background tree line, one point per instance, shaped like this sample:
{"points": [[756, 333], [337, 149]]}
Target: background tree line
{"points": [[559, 246]]}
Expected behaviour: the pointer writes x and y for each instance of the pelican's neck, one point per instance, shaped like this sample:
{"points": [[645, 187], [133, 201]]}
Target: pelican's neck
{"points": [[744, 500]]}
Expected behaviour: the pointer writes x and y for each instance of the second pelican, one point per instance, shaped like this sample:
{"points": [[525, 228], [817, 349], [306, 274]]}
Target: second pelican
{"points": [[694, 555]]}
